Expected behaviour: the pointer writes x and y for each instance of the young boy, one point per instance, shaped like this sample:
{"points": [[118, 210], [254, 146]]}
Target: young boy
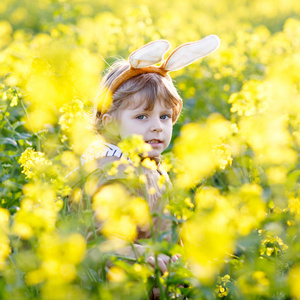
{"points": [[147, 105], [144, 102]]}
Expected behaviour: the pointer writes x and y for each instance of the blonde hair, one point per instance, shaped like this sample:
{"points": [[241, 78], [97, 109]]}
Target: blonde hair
{"points": [[146, 86]]}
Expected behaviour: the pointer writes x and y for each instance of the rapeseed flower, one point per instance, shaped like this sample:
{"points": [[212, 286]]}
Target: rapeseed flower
{"points": [[38, 211], [33, 162], [294, 277], [135, 147], [250, 207], [119, 212], [5, 249], [208, 237], [196, 150], [59, 256]]}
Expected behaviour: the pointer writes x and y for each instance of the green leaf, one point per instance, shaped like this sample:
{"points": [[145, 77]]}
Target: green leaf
{"points": [[8, 141]]}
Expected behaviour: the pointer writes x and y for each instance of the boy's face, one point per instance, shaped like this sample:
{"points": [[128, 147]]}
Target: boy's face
{"points": [[155, 126]]}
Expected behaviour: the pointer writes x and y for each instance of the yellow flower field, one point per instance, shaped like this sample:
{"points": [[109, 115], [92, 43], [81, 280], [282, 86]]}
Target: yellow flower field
{"points": [[234, 158]]}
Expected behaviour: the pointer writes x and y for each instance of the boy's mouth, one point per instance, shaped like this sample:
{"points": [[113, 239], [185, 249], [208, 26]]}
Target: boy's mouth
{"points": [[154, 141]]}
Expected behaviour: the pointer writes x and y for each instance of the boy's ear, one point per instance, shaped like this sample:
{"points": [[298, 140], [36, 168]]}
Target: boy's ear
{"points": [[110, 124], [106, 120]]}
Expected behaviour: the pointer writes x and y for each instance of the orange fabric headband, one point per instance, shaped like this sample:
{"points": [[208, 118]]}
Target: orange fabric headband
{"points": [[144, 59]]}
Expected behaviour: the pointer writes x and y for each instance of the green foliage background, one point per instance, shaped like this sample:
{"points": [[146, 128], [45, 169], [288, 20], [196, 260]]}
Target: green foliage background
{"points": [[52, 55]]}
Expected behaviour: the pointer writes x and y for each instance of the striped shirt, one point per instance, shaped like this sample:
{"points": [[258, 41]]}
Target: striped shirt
{"points": [[100, 149]]}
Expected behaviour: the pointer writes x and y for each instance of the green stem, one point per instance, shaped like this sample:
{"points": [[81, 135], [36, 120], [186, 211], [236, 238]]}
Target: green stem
{"points": [[134, 250], [4, 112], [125, 258], [157, 275], [89, 273], [27, 116], [38, 143], [220, 180], [38, 139], [134, 260], [145, 194], [88, 203], [103, 271]]}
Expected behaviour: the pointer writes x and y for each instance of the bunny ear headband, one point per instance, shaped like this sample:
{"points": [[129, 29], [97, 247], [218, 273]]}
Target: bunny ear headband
{"points": [[144, 59]]}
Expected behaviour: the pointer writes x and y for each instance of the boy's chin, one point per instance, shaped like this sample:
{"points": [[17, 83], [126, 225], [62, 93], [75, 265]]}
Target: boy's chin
{"points": [[154, 153]]}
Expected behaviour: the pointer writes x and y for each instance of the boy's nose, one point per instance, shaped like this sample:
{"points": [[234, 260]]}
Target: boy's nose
{"points": [[156, 126]]}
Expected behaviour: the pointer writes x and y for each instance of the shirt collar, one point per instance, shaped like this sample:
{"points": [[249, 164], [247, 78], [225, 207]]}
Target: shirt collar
{"points": [[100, 149]]}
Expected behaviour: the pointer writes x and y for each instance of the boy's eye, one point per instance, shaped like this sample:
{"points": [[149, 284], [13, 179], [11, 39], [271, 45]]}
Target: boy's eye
{"points": [[166, 117], [141, 117]]}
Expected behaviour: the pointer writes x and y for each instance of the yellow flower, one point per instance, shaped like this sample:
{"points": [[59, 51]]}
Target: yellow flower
{"points": [[120, 212], [91, 185], [193, 149], [69, 159], [161, 181], [76, 195], [152, 190], [4, 220], [294, 278], [5, 249], [272, 244], [294, 206], [35, 277], [104, 100], [262, 131], [116, 274], [223, 155], [38, 210], [31, 161], [188, 202], [255, 283], [149, 164], [142, 178], [139, 211], [134, 146], [208, 237], [277, 175], [122, 228], [59, 256], [250, 207], [76, 126], [58, 74], [250, 100]]}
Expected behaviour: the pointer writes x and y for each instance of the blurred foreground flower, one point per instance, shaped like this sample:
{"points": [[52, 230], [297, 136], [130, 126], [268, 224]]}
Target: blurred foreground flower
{"points": [[135, 147], [76, 126], [294, 278], [120, 212], [38, 211], [59, 256], [59, 73], [269, 138], [254, 284], [250, 208], [209, 236], [5, 249], [200, 150]]}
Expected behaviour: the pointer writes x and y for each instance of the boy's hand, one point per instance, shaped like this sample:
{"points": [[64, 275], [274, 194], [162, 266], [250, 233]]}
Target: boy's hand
{"points": [[163, 261]]}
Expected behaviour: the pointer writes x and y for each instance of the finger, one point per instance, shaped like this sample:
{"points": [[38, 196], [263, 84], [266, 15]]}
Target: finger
{"points": [[151, 261], [165, 258], [162, 266], [175, 257]]}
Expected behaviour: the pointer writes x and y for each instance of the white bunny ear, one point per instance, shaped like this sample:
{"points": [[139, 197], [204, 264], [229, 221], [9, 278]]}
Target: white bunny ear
{"points": [[150, 54], [189, 52]]}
